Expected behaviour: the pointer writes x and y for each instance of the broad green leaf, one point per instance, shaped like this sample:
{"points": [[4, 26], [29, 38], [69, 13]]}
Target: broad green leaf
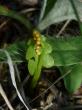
{"points": [[48, 61], [61, 10], [43, 38], [32, 65], [74, 79], [9, 13], [65, 58], [71, 43], [47, 48], [66, 51], [30, 52]]}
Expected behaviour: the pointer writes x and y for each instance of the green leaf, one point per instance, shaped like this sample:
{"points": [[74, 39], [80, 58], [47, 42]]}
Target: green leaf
{"points": [[47, 48], [71, 43], [32, 65], [60, 11], [30, 52], [66, 51], [48, 61], [74, 78], [65, 58]]}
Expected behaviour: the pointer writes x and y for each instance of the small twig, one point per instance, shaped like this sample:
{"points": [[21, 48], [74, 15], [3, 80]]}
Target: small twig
{"points": [[77, 96], [27, 10], [3, 94], [4, 23], [63, 28]]}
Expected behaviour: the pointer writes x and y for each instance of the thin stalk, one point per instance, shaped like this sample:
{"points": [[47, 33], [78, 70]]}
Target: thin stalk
{"points": [[2, 92]]}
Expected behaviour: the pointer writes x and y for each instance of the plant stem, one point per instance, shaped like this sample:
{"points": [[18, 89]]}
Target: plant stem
{"points": [[37, 72]]}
